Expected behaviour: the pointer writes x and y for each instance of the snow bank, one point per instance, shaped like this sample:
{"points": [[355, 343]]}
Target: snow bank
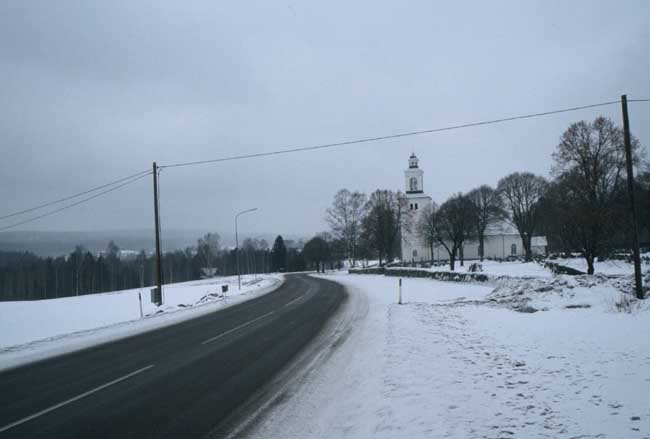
{"points": [[567, 292], [538, 270], [506, 268], [31, 330], [451, 363], [609, 267]]}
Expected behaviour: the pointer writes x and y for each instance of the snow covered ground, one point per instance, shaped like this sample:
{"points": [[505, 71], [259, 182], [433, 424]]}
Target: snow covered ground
{"points": [[506, 268], [536, 269], [32, 330], [450, 362], [610, 267]]}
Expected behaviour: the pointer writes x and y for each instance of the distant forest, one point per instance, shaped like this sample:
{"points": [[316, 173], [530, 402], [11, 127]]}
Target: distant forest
{"points": [[25, 276]]}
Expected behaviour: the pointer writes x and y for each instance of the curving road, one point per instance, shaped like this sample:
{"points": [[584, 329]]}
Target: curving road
{"points": [[178, 381]]}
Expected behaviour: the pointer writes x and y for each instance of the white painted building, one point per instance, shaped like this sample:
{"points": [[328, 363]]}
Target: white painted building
{"points": [[501, 240]]}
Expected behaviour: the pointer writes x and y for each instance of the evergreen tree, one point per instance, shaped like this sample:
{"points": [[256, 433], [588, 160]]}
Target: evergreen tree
{"points": [[279, 255]]}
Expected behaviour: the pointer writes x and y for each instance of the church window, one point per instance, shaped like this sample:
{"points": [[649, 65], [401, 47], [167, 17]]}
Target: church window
{"points": [[413, 184], [513, 249], [416, 206]]}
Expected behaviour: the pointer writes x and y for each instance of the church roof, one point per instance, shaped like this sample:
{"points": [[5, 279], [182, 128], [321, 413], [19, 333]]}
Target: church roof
{"points": [[501, 228], [507, 228]]}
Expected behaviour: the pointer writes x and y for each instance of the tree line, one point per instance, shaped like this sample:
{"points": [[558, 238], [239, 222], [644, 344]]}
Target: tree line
{"points": [[582, 208], [25, 276]]}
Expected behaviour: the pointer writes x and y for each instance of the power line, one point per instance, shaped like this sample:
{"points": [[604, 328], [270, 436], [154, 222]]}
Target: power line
{"points": [[70, 197], [29, 220], [392, 136], [137, 176]]}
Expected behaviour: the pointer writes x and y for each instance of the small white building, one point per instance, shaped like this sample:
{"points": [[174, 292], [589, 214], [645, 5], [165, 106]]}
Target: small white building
{"points": [[501, 240]]}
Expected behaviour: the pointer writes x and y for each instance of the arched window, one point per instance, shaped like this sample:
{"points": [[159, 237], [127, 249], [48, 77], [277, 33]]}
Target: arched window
{"points": [[513, 249], [415, 253], [413, 184]]}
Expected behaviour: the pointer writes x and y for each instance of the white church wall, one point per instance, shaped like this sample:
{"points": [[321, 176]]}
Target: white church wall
{"points": [[496, 246], [503, 246], [414, 249]]}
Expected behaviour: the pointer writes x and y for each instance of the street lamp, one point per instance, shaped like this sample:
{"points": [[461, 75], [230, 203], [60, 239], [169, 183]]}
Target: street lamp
{"points": [[237, 243]]}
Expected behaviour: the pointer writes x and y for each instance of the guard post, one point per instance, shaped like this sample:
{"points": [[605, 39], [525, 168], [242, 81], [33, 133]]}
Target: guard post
{"points": [[399, 296], [156, 296]]}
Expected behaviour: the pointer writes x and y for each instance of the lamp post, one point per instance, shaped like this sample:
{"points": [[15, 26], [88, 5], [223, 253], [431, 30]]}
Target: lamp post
{"points": [[237, 244]]}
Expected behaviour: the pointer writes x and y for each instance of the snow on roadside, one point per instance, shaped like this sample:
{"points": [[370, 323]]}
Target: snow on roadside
{"points": [[568, 292], [33, 330], [505, 268], [445, 365], [521, 269], [609, 267]]}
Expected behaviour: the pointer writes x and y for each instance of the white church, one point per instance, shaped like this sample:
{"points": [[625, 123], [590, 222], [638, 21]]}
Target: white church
{"points": [[501, 240]]}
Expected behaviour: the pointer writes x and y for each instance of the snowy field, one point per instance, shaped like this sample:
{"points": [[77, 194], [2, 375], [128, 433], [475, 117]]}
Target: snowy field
{"points": [[32, 330], [450, 363]]}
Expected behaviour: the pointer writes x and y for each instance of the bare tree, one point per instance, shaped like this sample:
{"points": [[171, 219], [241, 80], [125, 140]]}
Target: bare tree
{"points": [[522, 193], [112, 257], [344, 217], [488, 209], [381, 224], [425, 226], [207, 249], [590, 164], [317, 252], [557, 221], [249, 247], [453, 224], [78, 254], [644, 197]]}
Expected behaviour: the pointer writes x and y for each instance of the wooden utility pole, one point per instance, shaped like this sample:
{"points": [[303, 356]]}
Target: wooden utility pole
{"points": [[159, 278], [638, 283]]}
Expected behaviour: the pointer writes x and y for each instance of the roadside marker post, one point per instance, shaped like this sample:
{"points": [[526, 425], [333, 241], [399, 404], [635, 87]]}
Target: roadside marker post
{"points": [[399, 300]]}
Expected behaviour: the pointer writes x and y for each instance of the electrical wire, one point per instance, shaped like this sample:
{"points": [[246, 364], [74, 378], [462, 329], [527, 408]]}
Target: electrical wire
{"points": [[29, 220], [391, 136], [134, 177], [70, 197]]}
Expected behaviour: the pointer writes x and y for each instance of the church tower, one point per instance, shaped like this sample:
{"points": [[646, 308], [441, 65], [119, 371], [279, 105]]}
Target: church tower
{"points": [[413, 176], [413, 247]]}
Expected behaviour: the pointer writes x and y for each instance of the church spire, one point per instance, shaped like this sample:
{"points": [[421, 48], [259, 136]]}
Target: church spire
{"points": [[413, 161]]}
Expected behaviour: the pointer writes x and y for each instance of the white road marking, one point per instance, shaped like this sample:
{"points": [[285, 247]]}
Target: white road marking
{"points": [[73, 399], [294, 301], [223, 334]]}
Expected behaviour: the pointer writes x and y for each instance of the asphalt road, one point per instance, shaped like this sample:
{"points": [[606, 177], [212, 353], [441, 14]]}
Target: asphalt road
{"points": [[180, 381]]}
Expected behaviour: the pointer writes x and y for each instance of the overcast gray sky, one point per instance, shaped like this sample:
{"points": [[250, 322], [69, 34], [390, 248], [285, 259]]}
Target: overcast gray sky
{"points": [[93, 91]]}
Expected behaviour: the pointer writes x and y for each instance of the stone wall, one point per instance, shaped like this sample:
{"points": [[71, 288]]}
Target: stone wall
{"points": [[449, 276]]}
